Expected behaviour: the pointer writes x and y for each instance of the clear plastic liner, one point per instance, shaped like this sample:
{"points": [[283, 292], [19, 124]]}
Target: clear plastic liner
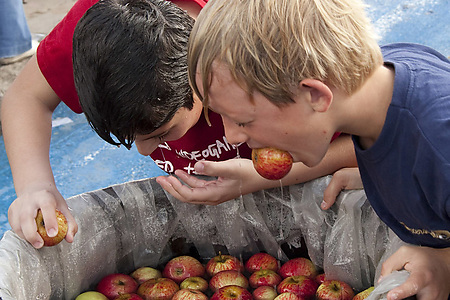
{"points": [[135, 224]]}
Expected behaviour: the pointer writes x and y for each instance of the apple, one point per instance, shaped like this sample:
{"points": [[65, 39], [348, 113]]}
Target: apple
{"points": [[158, 289], [195, 283], [62, 228], [304, 287], [228, 277], [261, 261], [264, 277], [364, 294], [187, 294], [91, 295], [181, 267], [334, 290], [320, 278], [143, 274], [231, 292], [113, 285], [223, 262], [298, 266], [271, 163], [129, 296], [264, 293], [287, 296]]}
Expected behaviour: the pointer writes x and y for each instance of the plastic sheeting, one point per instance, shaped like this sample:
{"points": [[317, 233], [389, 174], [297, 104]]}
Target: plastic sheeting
{"points": [[137, 224]]}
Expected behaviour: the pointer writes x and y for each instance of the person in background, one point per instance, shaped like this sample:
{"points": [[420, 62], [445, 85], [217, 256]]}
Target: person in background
{"points": [[128, 74], [302, 70], [16, 41]]}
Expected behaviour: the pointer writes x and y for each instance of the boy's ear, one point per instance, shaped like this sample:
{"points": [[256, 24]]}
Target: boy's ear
{"points": [[319, 94]]}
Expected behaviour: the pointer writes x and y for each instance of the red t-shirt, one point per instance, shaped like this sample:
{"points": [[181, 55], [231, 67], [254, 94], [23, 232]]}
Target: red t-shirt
{"points": [[54, 57]]}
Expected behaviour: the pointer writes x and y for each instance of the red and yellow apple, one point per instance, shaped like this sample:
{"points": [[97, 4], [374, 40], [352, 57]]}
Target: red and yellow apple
{"points": [[302, 286], [264, 277], [143, 274], [158, 289], [334, 290], [62, 228], [231, 292], [91, 295], [287, 296], [113, 285], [195, 283], [188, 294], [264, 293], [228, 277], [298, 266], [271, 163], [364, 294], [261, 261], [223, 262], [181, 267]]}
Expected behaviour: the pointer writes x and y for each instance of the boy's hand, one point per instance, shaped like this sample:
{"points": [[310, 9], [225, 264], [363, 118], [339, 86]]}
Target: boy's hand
{"points": [[22, 213], [343, 179], [429, 270], [235, 177]]}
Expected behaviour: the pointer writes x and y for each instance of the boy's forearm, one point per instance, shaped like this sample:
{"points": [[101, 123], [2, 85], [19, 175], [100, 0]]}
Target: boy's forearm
{"points": [[26, 124]]}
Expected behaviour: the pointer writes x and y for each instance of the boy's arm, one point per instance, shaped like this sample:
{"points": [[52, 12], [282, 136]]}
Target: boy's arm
{"points": [[26, 115], [238, 176], [429, 272]]}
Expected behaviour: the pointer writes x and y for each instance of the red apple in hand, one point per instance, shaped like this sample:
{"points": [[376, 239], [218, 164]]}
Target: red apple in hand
{"points": [[143, 274], [113, 285], [223, 262], [298, 266], [62, 228], [228, 277], [271, 163], [231, 292], [195, 283], [288, 296], [264, 277], [187, 294], [304, 287], [181, 267], [334, 290], [261, 261], [158, 289], [264, 293]]}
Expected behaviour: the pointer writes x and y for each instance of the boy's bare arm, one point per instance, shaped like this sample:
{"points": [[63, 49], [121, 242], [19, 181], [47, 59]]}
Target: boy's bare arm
{"points": [[26, 115], [429, 272], [236, 177]]}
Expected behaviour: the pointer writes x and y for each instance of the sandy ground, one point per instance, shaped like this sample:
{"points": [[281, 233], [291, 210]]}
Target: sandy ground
{"points": [[42, 16]]}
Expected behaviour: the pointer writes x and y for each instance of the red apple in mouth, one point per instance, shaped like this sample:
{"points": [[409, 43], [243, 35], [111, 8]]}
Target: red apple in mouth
{"points": [[272, 163], [62, 229]]}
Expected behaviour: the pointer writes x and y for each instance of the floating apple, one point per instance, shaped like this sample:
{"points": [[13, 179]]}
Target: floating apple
{"points": [[320, 278], [334, 290], [287, 296], [223, 262], [158, 289], [113, 285], [261, 261], [264, 277], [231, 292], [181, 267], [264, 293], [143, 274], [187, 294], [195, 283], [91, 295], [302, 286], [62, 229], [364, 294], [130, 296], [228, 277], [271, 163], [298, 266]]}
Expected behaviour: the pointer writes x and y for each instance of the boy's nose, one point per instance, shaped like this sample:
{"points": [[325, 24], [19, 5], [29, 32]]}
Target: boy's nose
{"points": [[146, 147], [234, 133]]}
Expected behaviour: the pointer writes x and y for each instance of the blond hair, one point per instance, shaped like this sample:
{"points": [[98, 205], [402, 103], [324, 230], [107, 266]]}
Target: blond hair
{"points": [[271, 45]]}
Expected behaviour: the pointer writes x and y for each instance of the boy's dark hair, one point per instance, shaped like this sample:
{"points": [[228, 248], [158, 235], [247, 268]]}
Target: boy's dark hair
{"points": [[130, 66]]}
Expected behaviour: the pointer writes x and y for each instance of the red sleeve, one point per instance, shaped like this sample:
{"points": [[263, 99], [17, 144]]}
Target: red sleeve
{"points": [[54, 54]]}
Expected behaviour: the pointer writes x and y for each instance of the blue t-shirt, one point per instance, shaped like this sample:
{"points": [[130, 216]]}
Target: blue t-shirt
{"points": [[406, 173]]}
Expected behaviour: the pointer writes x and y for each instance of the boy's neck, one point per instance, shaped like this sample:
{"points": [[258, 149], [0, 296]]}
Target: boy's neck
{"points": [[369, 105]]}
